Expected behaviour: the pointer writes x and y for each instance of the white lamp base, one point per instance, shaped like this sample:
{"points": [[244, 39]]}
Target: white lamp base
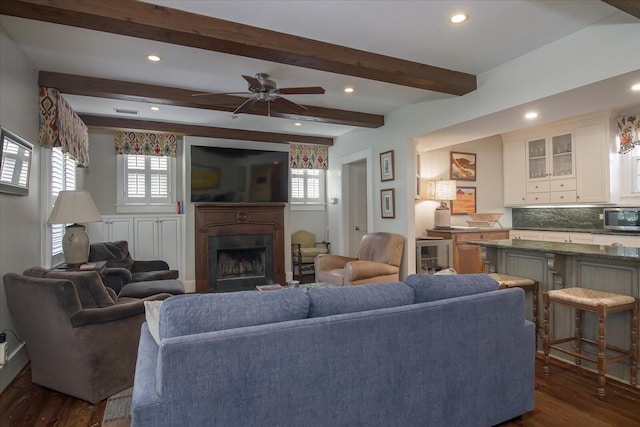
{"points": [[442, 217], [75, 245]]}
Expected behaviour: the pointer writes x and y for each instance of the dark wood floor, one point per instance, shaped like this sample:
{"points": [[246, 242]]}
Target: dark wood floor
{"points": [[566, 398]]}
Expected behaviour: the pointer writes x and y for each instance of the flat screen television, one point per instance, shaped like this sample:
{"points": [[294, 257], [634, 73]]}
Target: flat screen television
{"points": [[237, 175]]}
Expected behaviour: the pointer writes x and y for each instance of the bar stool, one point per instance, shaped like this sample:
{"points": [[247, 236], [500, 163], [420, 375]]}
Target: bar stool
{"points": [[602, 303], [505, 282]]}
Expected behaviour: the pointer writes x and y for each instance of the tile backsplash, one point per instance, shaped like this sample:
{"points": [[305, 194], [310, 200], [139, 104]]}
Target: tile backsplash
{"points": [[578, 218]]}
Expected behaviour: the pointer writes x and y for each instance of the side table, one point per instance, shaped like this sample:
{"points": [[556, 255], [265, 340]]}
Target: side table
{"points": [[98, 266]]}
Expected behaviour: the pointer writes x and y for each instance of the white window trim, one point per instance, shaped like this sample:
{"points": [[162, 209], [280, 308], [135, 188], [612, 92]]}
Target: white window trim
{"points": [[309, 205], [122, 207], [635, 174]]}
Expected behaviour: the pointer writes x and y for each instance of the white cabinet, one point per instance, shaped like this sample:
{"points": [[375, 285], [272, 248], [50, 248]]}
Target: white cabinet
{"points": [[564, 163], [514, 179], [150, 237], [525, 234], [610, 239], [159, 237], [567, 237]]}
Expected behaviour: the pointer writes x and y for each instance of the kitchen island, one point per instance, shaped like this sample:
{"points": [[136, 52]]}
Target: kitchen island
{"points": [[563, 265]]}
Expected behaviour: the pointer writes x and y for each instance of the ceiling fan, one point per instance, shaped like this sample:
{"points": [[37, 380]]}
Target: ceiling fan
{"points": [[266, 90]]}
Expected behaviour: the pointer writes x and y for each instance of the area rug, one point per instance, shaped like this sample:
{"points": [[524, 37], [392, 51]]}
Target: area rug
{"points": [[118, 410]]}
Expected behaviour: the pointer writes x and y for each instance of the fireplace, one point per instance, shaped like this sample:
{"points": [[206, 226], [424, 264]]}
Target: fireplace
{"points": [[238, 246]]}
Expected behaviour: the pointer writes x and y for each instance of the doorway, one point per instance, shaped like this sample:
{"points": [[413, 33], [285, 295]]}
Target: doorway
{"points": [[356, 204]]}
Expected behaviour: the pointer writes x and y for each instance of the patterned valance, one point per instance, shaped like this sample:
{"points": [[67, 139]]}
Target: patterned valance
{"points": [[629, 130], [148, 144], [308, 156], [61, 127]]}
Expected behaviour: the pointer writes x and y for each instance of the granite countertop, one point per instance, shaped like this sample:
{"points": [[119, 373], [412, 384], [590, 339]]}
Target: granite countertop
{"points": [[464, 229], [581, 230], [621, 253]]}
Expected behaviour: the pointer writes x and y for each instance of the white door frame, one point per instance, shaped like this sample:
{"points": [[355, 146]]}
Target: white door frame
{"points": [[366, 155]]}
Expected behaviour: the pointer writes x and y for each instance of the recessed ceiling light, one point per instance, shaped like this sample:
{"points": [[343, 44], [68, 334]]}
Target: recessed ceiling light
{"points": [[154, 58], [297, 124], [531, 115], [458, 18], [154, 108], [636, 87], [349, 89]]}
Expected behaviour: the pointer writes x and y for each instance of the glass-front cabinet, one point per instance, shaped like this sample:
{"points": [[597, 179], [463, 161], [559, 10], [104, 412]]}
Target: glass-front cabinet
{"points": [[433, 254], [550, 158]]}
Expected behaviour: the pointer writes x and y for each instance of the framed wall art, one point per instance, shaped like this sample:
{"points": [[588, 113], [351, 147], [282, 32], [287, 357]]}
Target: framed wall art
{"points": [[465, 201], [388, 203], [463, 166], [386, 166]]}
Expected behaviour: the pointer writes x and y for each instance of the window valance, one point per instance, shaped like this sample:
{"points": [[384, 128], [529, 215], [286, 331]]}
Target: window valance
{"points": [[629, 130], [61, 127], [304, 156], [148, 144]]}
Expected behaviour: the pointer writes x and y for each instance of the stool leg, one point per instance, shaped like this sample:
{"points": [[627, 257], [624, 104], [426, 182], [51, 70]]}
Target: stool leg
{"points": [[535, 310], [602, 348], [545, 337], [577, 346], [634, 344]]}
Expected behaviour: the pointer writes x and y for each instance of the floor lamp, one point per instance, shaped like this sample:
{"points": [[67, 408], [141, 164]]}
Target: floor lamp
{"points": [[74, 207]]}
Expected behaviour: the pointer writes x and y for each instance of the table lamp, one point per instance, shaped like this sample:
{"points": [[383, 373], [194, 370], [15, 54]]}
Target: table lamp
{"points": [[74, 207], [442, 191]]}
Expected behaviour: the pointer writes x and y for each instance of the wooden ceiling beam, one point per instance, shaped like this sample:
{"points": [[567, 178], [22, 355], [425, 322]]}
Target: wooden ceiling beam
{"points": [[139, 92], [632, 7], [117, 123], [153, 22]]}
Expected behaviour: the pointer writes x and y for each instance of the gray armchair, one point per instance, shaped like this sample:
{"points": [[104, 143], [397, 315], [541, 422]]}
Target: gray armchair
{"points": [[81, 338], [122, 268]]}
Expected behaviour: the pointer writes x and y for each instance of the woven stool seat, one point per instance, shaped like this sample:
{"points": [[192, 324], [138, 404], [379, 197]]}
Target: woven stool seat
{"points": [[602, 303], [590, 297], [506, 281]]}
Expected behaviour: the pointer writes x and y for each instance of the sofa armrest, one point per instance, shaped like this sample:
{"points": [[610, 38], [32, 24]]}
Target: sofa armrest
{"points": [[116, 277], [143, 266], [331, 262], [128, 308], [359, 270]]}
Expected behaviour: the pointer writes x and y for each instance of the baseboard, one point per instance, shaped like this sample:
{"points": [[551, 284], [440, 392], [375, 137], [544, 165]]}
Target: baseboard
{"points": [[18, 359]]}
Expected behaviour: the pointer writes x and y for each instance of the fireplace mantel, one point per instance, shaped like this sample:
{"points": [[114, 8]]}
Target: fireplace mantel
{"points": [[231, 219]]}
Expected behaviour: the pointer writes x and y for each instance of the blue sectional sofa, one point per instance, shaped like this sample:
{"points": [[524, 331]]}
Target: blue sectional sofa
{"points": [[432, 351]]}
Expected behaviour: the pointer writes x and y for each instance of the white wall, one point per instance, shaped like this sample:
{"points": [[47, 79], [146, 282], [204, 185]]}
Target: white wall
{"points": [[582, 58], [21, 217]]}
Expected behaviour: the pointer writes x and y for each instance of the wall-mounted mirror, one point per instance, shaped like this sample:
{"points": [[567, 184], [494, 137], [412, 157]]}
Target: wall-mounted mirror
{"points": [[16, 163]]}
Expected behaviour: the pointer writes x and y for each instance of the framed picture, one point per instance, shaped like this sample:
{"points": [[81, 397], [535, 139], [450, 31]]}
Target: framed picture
{"points": [[388, 203], [386, 166], [465, 201], [463, 166]]}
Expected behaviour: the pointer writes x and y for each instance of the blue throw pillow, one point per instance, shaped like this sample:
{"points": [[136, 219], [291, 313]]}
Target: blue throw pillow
{"points": [[429, 287], [351, 299], [194, 314]]}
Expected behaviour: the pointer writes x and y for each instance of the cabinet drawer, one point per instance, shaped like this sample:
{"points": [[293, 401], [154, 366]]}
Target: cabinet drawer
{"points": [[538, 198], [538, 187], [564, 196], [482, 235], [562, 185]]}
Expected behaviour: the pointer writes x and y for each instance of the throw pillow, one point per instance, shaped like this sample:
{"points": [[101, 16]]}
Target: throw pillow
{"points": [[89, 285], [429, 287], [152, 314], [351, 299]]}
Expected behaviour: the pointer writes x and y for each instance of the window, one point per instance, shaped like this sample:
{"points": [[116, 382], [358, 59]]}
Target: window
{"points": [[307, 186], [63, 177], [146, 183]]}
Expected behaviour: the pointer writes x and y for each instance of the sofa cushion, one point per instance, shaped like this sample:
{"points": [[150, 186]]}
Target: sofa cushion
{"points": [[115, 253], [351, 299], [429, 287], [194, 314], [151, 287], [89, 285]]}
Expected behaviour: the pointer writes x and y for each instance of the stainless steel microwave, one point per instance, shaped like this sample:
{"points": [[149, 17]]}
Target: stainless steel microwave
{"points": [[627, 219]]}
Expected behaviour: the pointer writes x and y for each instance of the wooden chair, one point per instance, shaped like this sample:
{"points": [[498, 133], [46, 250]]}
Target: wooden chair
{"points": [[304, 250], [601, 303]]}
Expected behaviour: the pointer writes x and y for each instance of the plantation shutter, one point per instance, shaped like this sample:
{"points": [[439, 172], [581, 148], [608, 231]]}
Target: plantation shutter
{"points": [[63, 177]]}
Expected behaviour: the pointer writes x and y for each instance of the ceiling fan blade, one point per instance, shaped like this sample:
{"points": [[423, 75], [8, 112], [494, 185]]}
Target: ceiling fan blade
{"points": [[253, 82], [290, 105], [311, 90], [246, 105], [221, 93]]}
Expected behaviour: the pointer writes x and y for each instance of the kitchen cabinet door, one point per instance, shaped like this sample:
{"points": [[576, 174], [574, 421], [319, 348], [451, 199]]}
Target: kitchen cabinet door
{"points": [[513, 157], [592, 164]]}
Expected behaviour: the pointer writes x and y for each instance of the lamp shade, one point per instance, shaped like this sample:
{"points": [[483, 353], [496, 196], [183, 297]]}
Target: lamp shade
{"points": [[439, 190], [74, 207]]}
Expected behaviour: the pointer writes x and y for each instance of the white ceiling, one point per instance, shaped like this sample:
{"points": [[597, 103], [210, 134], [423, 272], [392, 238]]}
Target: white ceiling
{"points": [[496, 32]]}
